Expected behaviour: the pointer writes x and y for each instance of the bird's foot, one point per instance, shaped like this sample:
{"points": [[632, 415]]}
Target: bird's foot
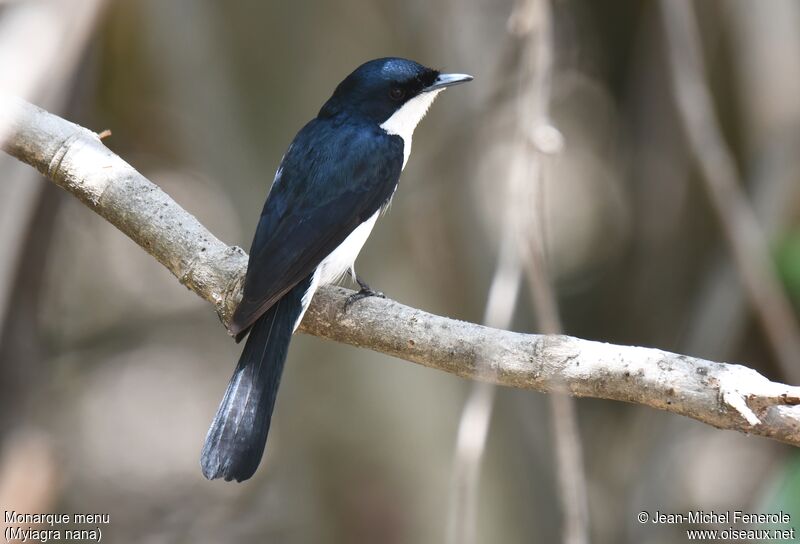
{"points": [[365, 292]]}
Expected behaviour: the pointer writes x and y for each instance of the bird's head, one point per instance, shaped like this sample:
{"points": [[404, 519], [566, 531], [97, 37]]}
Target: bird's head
{"points": [[392, 92]]}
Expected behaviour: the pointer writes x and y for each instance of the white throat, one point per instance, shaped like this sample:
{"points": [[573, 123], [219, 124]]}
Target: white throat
{"points": [[405, 120]]}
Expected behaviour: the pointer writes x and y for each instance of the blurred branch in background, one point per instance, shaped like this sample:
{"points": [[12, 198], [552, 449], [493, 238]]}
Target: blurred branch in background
{"points": [[200, 40], [29, 475], [725, 396], [766, 49], [530, 25], [53, 35], [532, 22], [735, 214], [476, 415]]}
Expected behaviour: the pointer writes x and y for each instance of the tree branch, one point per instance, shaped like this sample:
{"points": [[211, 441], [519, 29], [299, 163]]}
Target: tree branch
{"points": [[725, 396]]}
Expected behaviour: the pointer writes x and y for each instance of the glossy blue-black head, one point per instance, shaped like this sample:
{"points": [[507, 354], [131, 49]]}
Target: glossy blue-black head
{"points": [[377, 89]]}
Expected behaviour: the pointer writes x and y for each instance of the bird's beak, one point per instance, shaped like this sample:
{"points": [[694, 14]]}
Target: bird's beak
{"points": [[447, 80]]}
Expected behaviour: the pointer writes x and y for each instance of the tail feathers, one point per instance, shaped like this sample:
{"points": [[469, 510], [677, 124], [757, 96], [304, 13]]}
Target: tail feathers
{"points": [[237, 436]]}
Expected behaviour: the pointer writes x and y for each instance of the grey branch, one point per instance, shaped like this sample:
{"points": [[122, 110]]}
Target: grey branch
{"points": [[723, 395]]}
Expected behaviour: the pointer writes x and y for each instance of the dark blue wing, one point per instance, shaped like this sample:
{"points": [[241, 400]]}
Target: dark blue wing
{"points": [[334, 176]]}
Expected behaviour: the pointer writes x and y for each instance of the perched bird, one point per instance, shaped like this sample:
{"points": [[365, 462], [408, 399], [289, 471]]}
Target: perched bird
{"points": [[339, 172]]}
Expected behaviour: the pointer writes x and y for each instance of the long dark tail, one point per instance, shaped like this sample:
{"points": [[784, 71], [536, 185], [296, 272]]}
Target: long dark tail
{"points": [[235, 442]]}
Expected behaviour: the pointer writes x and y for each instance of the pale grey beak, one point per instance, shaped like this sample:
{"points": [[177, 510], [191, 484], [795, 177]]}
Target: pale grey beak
{"points": [[447, 80]]}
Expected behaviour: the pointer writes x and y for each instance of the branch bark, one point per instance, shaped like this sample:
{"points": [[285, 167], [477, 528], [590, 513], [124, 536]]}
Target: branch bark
{"points": [[723, 395]]}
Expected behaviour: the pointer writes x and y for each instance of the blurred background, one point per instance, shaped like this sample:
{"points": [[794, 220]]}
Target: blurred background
{"points": [[110, 372]]}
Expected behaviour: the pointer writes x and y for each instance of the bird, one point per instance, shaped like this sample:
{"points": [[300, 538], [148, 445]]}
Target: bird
{"points": [[337, 176]]}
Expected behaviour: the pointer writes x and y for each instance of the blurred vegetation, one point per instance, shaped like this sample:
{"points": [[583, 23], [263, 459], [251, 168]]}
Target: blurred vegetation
{"points": [[788, 259]]}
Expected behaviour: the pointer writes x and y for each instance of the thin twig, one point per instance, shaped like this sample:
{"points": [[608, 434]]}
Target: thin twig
{"points": [[723, 395], [735, 214]]}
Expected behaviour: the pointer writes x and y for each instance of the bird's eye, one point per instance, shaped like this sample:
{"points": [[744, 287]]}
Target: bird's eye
{"points": [[396, 93]]}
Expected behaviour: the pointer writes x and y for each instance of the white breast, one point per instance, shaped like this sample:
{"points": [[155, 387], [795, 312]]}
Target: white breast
{"points": [[405, 120], [343, 257]]}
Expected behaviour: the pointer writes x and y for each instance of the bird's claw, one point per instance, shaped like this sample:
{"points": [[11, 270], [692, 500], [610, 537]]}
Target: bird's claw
{"points": [[365, 292]]}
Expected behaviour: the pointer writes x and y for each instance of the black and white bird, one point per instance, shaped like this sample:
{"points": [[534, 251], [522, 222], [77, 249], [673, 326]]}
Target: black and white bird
{"points": [[340, 171]]}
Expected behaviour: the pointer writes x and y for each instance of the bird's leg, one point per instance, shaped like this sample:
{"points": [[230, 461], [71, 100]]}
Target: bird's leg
{"points": [[364, 292]]}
